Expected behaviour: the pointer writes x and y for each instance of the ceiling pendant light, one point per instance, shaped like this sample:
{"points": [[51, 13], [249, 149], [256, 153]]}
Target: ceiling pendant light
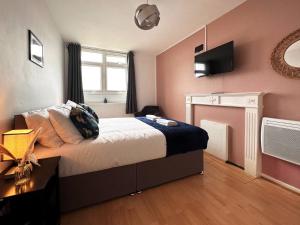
{"points": [[146, 16]]}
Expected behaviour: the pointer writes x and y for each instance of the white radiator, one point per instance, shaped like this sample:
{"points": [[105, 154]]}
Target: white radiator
{"points": [[281, 139], [218, 138]]}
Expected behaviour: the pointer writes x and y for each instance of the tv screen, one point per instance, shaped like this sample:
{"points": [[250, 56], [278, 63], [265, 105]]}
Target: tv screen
{"points": [[214, 61]]}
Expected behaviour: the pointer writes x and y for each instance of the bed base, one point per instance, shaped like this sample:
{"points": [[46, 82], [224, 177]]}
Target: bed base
{"points": [[159, 171], [87, 189], [91, 188]]}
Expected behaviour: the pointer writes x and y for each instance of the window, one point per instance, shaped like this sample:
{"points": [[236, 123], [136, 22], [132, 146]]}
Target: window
{"points": [[104, 75], [92, 57], [116, 79], [116, 59], [91, 78]]}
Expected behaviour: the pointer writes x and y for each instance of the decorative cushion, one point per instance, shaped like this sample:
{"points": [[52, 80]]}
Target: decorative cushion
{"points": [[84, 122], [48, 136], [90, 110], [60, 119], [84, 106]]}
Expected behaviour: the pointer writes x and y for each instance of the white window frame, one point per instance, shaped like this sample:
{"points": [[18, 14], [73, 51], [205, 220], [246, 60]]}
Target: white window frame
{"points": [[112, 96]]}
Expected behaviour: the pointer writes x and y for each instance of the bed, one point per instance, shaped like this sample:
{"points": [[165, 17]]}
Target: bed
{"points": [[129, 155]]}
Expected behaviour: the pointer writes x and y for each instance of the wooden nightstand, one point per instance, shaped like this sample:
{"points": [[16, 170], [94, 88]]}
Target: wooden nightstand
{"points": [[38, 202]]}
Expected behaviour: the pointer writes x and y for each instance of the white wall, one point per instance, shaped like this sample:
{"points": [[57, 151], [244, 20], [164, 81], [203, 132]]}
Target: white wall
{"points": [[23, 84], [145, 72]]}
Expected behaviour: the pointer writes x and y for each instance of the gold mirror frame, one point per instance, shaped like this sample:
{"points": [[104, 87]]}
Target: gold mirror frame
{"points": [[277, 57]]}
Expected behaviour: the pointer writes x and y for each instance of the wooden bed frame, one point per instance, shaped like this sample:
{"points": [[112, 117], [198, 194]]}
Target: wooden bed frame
{"points": [[90, 188]]}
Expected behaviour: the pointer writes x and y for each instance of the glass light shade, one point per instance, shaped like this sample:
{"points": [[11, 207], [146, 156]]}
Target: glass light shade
{"points": [[17, 142], [147, 16]]}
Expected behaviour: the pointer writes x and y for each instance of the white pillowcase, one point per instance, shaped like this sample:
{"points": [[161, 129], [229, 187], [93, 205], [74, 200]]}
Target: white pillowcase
{"points": [[71, 103], [40, 118], [60, 119]]}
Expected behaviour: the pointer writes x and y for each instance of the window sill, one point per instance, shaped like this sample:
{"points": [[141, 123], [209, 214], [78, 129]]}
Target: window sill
{"points": [[105, 93], [111, 98], [102, 103]]}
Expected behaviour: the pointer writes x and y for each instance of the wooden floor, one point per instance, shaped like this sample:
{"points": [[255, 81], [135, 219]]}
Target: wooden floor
{"points": [[223, 195]]}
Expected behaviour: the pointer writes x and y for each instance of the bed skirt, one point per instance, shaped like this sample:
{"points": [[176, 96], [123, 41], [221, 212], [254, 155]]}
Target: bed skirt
{"points": [[87, 189]]}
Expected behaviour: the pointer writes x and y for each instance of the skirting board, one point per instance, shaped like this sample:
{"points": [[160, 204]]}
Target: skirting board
{"points": [[281, 183]]}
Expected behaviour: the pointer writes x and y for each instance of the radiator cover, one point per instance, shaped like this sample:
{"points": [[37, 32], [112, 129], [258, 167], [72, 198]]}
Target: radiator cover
{"points": [[218, 138]]}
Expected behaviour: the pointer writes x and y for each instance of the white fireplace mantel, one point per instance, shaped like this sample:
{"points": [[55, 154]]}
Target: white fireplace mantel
{"points": [[253, 104]]}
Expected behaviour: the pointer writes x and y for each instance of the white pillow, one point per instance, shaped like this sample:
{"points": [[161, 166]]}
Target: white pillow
{"points": [[71, 103], [60, 119], [40, 118]]}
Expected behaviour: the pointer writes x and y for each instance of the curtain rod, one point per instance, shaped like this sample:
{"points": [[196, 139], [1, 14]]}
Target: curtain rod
{"points": [[100, 49]]}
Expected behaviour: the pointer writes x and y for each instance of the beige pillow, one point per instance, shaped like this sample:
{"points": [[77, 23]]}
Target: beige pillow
{"points": [[40, 118], [60, 119]]}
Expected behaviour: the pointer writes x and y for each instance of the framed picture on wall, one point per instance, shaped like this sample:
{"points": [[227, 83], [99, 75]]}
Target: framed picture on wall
{"points": [[36, 51]]}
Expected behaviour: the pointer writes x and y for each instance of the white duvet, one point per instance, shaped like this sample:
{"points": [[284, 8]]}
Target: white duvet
{"points": [[121, 141]]}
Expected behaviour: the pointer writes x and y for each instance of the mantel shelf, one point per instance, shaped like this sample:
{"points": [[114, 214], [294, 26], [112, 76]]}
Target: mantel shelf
{"points": [[227, 94]]}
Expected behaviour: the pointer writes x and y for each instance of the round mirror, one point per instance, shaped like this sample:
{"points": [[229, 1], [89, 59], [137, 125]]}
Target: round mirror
{"points": [[292, 55], [285, 57]]}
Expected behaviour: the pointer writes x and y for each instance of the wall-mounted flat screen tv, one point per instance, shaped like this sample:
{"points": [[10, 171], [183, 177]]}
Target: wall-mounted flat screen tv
{"points": [[214, 61]]}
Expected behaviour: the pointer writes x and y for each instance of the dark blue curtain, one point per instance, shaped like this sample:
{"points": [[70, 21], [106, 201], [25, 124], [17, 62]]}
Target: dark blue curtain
{"points": [[75, 89], [131, 103]]}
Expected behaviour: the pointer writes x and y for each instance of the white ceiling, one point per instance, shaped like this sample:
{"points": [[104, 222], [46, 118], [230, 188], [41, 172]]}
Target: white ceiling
{"points": [[109, 24]]}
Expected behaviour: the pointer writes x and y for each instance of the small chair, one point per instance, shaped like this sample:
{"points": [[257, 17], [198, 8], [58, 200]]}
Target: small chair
{"points": [[149, 109]]}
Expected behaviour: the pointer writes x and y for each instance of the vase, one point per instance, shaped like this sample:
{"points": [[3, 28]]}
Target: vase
{"points": [[22, 174]]}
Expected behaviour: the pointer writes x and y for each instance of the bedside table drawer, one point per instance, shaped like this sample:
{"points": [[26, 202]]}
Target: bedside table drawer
{"points": [[12, 213]]}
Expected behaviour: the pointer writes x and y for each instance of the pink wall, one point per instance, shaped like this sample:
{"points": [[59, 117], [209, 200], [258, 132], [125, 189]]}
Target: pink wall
{"points": [[256, 27]]}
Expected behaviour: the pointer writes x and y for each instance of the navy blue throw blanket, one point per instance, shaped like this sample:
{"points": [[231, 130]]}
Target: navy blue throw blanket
{"points": [[181, 138]]}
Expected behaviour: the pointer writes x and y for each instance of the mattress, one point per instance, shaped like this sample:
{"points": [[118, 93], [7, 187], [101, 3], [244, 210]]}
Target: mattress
{"points": [[121, 141]]}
